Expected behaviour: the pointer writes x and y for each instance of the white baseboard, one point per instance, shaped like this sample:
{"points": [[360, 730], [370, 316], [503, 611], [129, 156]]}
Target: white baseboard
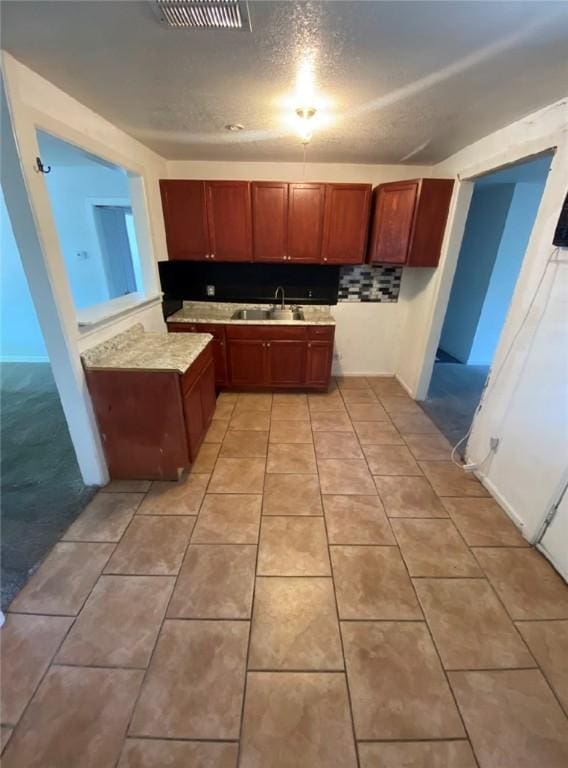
{"points": [[405, 386], [502, 501]]}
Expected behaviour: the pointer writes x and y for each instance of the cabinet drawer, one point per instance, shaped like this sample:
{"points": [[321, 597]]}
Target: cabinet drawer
{"points": [[267, 332], [321, 332], [217, 330]]}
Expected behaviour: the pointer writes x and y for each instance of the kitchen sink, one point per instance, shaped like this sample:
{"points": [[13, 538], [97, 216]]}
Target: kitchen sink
{"points": [[251, 314], [286, 315]]}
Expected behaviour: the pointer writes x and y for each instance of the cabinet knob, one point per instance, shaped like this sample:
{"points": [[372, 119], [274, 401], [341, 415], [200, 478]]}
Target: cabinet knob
{"points": [[267, 343], [325, 258], [309, 346], [206, 255], [212, 255]]}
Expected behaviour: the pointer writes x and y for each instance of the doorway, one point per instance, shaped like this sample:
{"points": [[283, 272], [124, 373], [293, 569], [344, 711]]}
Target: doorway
{"points": [[501, 216], [115, 230]]}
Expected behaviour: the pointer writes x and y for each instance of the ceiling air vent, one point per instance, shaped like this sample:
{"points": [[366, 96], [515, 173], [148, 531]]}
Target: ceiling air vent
{"points": [[204, 14]]}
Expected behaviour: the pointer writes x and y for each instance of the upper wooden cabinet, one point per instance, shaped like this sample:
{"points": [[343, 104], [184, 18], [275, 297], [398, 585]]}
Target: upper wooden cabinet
{"points": [[185, 219], [305, 222], [408, 222], [345, 223], [207, 220], [229, 219], [270, 220]]}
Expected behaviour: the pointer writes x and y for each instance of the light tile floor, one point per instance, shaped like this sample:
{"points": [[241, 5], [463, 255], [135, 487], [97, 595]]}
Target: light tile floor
{"points": [[325, 590]]}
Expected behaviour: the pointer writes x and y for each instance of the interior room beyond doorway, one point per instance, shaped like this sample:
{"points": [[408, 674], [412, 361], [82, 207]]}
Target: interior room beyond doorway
{"points": [[502, 212]]}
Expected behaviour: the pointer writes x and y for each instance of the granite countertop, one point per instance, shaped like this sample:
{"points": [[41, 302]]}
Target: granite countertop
{"points": [[135, 349], [220, 312]]}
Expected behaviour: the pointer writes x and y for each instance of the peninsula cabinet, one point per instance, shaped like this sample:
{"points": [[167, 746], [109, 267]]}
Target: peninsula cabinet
{"points": [[152, 422], [207, 220], [408, 222]]}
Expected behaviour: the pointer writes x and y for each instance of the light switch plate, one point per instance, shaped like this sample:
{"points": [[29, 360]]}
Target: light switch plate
{"points": [[210, 290]]}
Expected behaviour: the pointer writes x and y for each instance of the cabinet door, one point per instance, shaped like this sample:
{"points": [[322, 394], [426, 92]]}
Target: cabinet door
{"points": [[286, 363], [229, 220], [208, 394], [318, 365], [393, 218], [246, 362], [270, 220], [345, 225], [194, 420], [185, 219], [305, 222]]}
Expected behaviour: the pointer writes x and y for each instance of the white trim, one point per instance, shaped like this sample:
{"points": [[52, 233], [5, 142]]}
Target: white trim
{"points": [[502, 501], [102, 314]]}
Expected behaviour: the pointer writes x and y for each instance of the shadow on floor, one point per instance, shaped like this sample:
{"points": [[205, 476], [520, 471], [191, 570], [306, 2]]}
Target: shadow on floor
{"points": [[454, 394], [42, 489]]}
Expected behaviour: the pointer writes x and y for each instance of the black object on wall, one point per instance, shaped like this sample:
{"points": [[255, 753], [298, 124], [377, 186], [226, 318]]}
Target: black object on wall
{"points": [[302, 283], [561, 233]]}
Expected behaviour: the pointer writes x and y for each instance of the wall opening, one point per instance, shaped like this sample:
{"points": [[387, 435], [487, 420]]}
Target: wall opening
{"points": [[42, 488], [92, 209], [500, 219]]}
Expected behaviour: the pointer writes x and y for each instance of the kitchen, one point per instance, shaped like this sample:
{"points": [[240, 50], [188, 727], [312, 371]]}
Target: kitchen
{"points": [[240, 246], [285, 346]]}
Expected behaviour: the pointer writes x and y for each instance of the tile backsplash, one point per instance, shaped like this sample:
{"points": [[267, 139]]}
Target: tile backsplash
{"points": [[366, 283]]}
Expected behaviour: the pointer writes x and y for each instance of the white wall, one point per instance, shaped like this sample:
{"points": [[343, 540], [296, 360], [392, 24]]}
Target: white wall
{"points": [[34, 104], [506, 268], [21, 339], [367, 337], [526, 404], [483, 232]]}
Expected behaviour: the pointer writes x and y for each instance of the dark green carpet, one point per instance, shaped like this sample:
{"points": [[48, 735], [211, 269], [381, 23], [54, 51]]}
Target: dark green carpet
{"points": [[42, 489]]}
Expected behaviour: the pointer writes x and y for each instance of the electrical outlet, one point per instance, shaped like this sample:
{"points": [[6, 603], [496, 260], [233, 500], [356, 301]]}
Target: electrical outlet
{"points": [[210, 290]]}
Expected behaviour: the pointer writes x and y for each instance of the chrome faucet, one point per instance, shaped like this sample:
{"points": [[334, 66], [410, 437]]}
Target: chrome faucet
{"points": [[276, 295]]}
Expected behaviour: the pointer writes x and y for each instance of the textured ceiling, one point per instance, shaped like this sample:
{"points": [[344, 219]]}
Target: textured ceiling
{"points": [[395, 81]]}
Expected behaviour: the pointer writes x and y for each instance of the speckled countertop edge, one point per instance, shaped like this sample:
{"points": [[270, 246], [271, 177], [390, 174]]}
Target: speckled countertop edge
{"points": [[220, 312], [137, 350]]}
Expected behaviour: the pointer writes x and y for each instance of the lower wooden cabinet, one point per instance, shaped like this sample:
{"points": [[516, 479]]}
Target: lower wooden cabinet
{"points": [[152, 423], [285, 363], [246, 361], [269, 356], [318, 363]]}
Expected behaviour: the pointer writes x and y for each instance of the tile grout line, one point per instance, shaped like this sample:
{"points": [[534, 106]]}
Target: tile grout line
{"points": [[346, 678], [246, 670]]}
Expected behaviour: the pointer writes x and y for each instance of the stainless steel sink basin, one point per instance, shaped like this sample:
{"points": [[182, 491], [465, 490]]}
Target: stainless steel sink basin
{"points": [[251, 314], [285, 315]]}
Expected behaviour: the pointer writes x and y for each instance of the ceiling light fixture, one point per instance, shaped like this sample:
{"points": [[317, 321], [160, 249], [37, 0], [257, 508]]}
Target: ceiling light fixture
{"points": [[305, 115], [234, 127]]}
